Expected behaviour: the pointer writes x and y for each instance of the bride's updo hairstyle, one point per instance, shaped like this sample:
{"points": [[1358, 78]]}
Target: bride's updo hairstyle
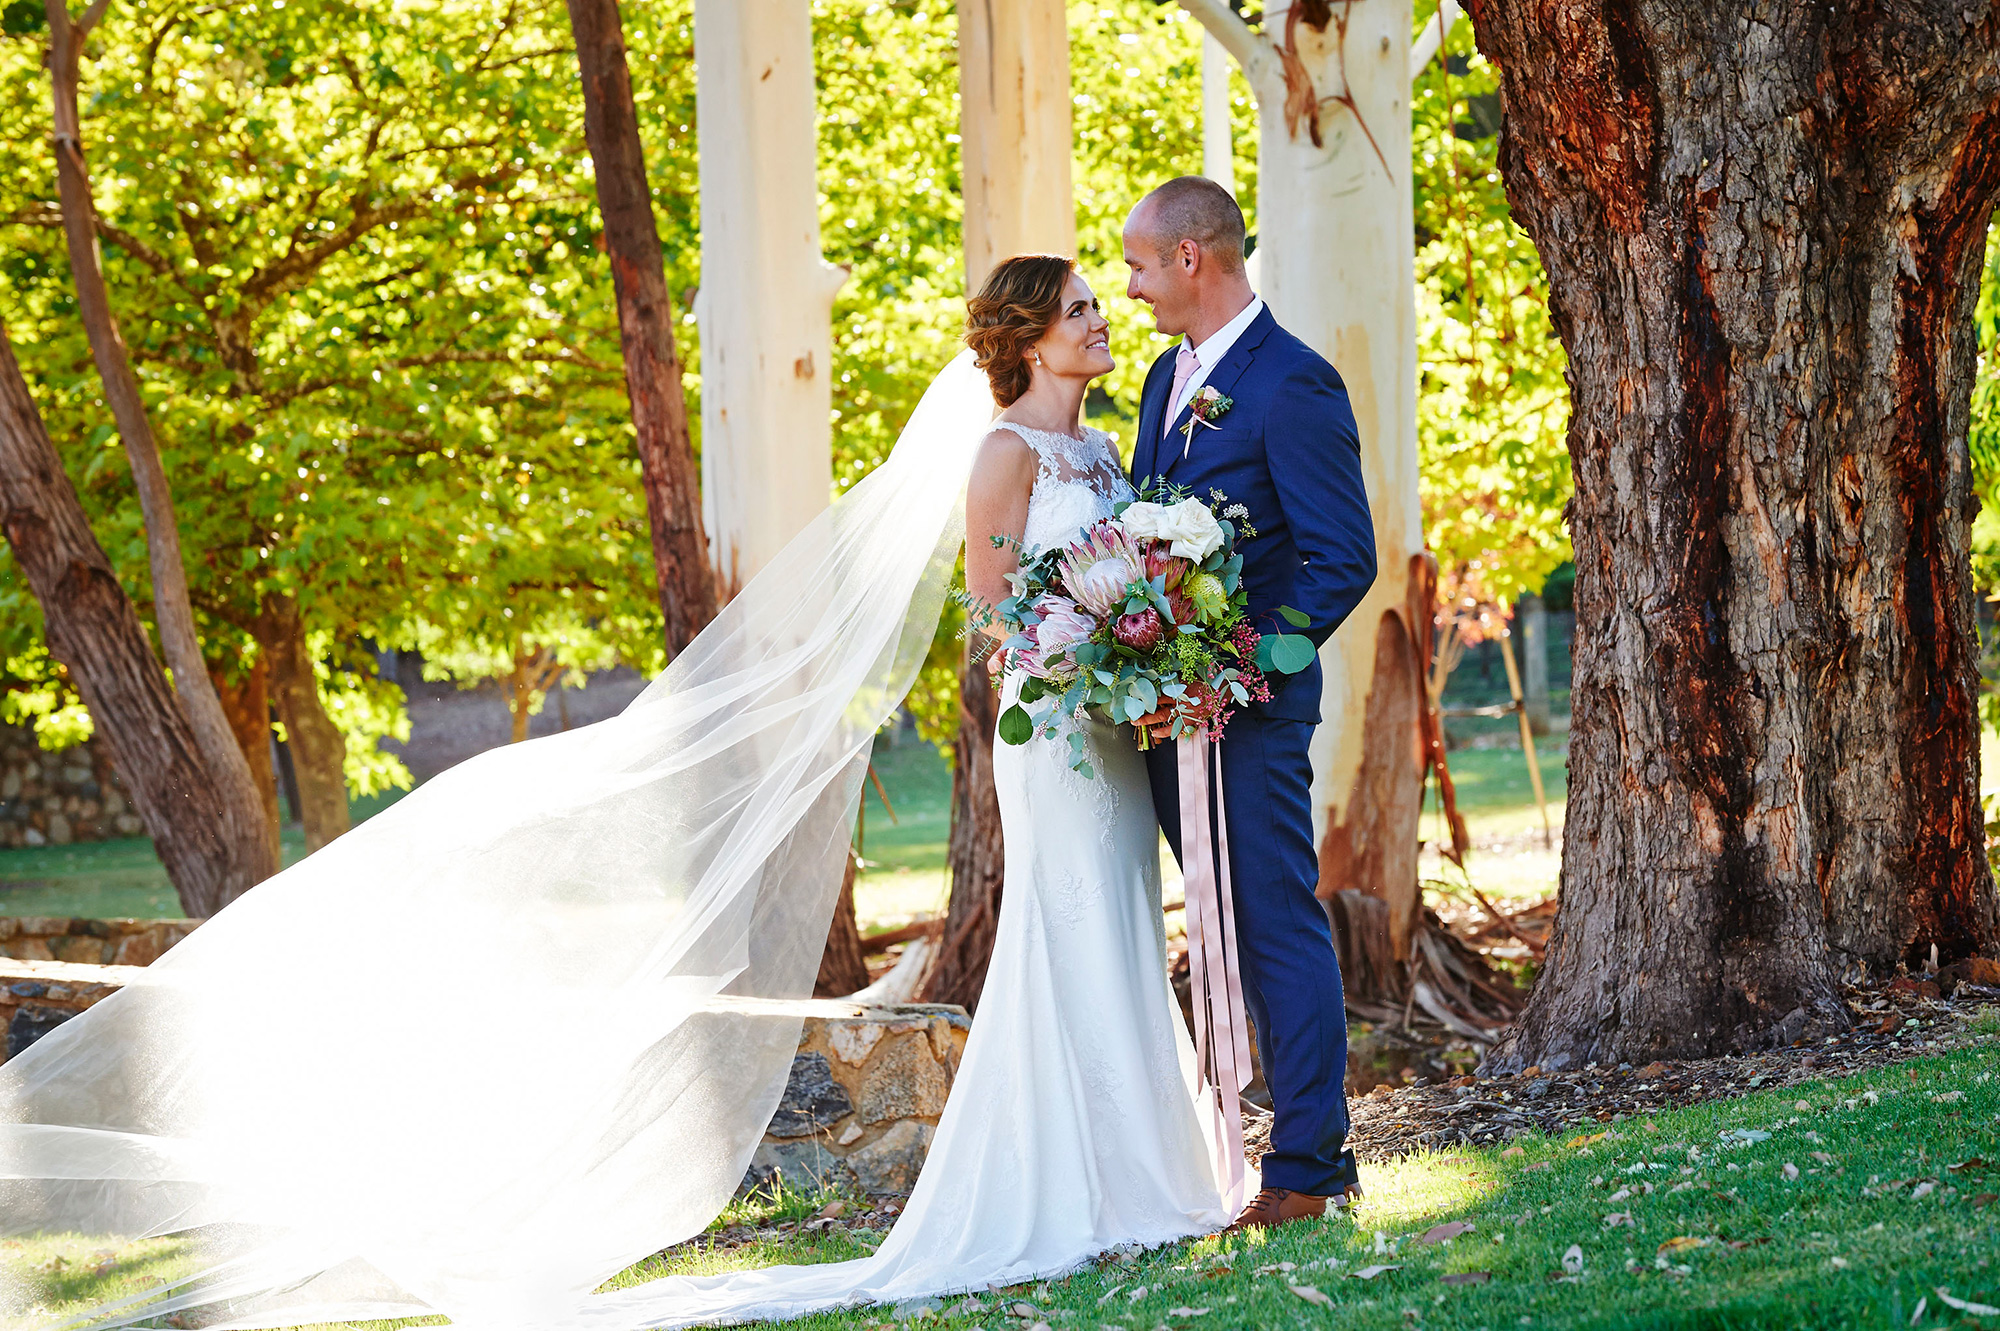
{"points": [[1021, 300]]}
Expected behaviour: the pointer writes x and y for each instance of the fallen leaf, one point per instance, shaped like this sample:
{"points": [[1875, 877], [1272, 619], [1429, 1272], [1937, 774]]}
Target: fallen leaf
{"points": [[1370, 1272], [1187, 1312], [1467, 1278], [1136, 1293], [1105, 1297], [1024, 1311], [1617, 1218], [1620, 1195], [1967, 1306], [1543, 1164], [832, 1210], [1748, 1134], [1381, 1243], [1965, 1165], [1511, 1152], [1451, 1229], [1573, 1260], [1922, 1190], [1837, 1263], [1681, 1243], [1918, 1314], [1803, 1106], [1822, 1157], [1985, 1198], [1791, 1172], [1275, 1267], [1574, 1142], [1311, 1295]]}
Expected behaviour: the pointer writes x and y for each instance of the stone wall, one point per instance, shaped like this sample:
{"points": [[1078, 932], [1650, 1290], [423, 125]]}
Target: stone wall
{"points": [[53, 799], [38, 996], [866, 1089], [89, 942]]}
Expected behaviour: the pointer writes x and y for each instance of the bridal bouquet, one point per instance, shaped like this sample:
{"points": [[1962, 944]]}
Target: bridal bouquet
{"points": [[1140, 621]]}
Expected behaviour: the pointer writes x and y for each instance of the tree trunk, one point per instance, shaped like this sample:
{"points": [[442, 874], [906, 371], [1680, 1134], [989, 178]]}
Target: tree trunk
{"points": [[1336, 254], [533, 672], [1015, 131], [93, 629], [976, 855], [1533, 621], [1762, 231], [843, 969], [235, 804], [319, 750], [247, 704], [645, 323], [766, 300]]}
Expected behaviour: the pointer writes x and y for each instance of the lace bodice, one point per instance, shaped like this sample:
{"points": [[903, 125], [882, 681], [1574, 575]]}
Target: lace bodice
{"points": [[1076, 483]]}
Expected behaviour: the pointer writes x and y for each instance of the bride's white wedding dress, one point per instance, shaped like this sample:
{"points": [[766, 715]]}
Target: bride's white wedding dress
{"points": [[1071, 1126], [528, 1026]]}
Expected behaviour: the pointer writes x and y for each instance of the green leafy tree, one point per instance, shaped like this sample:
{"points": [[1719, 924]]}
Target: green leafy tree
{"points": [[1492, 402], [354, 253]]}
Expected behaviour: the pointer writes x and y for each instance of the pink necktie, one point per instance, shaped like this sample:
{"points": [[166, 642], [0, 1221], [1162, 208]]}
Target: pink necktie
{"points": [[1185, 364]]}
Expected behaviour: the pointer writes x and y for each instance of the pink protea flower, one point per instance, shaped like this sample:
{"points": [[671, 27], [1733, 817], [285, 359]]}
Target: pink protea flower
{"points": [[1061, 628], [1097, 569], [1141, 632], [1160, 559]]}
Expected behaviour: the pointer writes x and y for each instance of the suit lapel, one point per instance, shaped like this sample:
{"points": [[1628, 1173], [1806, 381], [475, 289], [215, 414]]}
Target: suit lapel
{"points": [[1152, 404], [1222, 381]]}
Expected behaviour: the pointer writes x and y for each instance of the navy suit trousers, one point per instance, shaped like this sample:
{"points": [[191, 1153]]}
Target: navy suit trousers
{"points": [[1291, 977]]}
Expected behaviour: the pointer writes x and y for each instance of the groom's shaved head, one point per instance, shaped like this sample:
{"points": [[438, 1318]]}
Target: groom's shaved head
{"points": [[1193, 208]]}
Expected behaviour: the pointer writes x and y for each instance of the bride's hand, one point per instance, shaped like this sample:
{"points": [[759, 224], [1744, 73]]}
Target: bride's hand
{"points": [[996, 661]]}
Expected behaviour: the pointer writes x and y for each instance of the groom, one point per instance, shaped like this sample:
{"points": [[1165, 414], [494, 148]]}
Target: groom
{"points": [[1287, 449]]}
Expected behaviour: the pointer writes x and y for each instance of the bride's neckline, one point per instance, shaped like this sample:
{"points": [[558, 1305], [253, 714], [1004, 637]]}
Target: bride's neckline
{"points": [[1083, 438]]}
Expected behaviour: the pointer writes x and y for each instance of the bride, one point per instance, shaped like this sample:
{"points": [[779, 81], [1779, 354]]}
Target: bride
{"points": [[528, 1025]]}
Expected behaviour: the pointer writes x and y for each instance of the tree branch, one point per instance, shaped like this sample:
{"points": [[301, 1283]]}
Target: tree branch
{"points": [[1431, 40], [1254, 53]]}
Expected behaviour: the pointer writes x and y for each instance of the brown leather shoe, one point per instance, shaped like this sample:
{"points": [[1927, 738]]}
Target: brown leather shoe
{"points": [[1278, 1206]]}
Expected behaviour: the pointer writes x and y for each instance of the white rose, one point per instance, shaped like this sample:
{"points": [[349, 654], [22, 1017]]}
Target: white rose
{"points": [[1192, 528], [1142, 519]]}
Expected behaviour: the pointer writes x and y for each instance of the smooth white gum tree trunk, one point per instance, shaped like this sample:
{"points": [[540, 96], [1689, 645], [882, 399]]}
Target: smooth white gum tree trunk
{"points": [[766, 299], [1014, 124], [1218, 150], [1335, 239]]}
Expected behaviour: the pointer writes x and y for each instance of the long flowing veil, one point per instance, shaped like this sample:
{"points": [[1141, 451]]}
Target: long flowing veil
{"points": [[527, 1025]]}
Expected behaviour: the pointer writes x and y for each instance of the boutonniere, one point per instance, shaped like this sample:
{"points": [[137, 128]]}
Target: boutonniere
{"points": [[1206, 407]]}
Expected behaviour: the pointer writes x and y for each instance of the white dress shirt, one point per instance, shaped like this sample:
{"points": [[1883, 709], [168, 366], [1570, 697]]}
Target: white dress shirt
{"points": [[1211, 352]]}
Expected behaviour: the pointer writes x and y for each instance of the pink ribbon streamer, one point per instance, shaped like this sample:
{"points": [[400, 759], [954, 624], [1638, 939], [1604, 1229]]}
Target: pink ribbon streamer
{"points": [[1221, 1028]]}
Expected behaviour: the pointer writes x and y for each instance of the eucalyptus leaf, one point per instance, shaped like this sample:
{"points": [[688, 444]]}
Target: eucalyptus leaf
{"points": [[1015, 727]]}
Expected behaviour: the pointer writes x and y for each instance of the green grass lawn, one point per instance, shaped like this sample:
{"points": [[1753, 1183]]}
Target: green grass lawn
{"points": [[1865, 1202]]}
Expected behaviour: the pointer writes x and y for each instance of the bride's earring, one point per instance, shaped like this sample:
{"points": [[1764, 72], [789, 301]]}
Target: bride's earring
{"points": [[1037, 355]]}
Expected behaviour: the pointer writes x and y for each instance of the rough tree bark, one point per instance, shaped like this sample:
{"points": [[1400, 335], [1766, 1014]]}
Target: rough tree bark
{"points": [[93, 629], [246, 700], [976, 854], [235, 804], [1762, 227], [645, 323], [319, 750], [843, 967]]}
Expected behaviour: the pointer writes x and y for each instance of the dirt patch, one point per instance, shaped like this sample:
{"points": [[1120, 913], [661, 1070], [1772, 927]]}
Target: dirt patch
{"points": [[1903, 1020]]}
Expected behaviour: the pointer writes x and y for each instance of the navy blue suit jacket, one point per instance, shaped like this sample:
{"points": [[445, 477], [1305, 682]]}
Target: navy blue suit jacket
{"points": [[1288, 451]]}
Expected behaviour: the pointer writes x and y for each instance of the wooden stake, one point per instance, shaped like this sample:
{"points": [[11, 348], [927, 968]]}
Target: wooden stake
{"points": [[1520, 710]]}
